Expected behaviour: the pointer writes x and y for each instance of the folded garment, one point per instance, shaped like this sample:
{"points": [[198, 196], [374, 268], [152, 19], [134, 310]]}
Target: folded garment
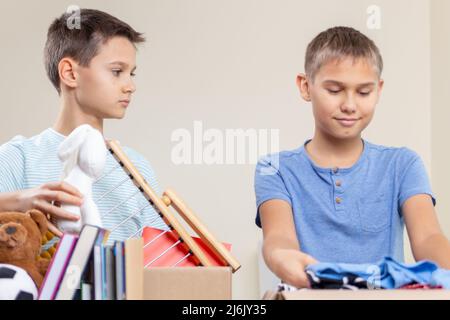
{"points": [[347, 282], [286, 287], [387, 274]]}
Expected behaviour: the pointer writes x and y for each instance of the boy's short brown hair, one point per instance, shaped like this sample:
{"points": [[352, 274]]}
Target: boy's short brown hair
{"points": [[82, 44], [338, 43]]}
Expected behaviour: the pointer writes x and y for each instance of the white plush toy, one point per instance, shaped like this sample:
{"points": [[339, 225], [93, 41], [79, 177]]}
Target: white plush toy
{"points": [[83, 154]]}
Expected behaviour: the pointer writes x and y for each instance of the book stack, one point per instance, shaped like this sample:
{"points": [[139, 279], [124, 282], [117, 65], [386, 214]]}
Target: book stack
{"points": [[84, 267]]}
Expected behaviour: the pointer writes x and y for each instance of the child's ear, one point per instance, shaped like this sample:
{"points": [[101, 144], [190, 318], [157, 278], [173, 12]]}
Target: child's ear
{"points": [[303, 86], [380, 85], [380, 89], [67, 72]]}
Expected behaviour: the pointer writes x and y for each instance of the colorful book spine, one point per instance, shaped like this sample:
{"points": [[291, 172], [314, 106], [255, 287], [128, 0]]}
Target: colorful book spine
{"points": [[57, 267]]}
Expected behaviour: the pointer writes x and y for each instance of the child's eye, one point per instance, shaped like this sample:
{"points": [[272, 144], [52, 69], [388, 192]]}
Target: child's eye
{"points": [[133, 74], [364, 93], [333, 91], [116, 72]]}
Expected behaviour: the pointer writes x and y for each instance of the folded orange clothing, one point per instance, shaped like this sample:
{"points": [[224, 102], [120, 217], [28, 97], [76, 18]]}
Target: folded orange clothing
{"points": [[171, 257]]}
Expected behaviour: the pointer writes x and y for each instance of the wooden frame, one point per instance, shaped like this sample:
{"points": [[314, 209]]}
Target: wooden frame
{"points": [[161, 206]]}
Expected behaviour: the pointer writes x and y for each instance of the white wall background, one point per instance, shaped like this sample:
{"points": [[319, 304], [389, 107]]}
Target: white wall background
{"points": [[440, 112], [232, 64]]}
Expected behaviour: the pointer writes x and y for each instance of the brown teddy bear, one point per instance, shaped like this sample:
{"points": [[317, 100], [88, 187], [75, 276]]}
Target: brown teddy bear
{"points": [[20, 242]]}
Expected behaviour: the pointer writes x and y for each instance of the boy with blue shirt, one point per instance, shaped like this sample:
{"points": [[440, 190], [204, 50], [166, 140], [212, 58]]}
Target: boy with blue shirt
{"points": [[92, 69], [339, 198]]}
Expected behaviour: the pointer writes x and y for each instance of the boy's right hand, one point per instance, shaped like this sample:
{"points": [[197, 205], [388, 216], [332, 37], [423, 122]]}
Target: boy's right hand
{"points": [[46, 199], [291, 264]]}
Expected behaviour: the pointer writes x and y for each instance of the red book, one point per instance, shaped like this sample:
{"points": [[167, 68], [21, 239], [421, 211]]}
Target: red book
{"points": [[171, 257]]}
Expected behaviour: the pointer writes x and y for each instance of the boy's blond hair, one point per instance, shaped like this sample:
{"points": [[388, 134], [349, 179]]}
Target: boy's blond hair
{"points": [[337, 43]]}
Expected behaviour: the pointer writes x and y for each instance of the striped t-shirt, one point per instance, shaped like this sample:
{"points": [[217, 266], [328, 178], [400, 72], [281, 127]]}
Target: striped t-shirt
{"points": [[28, 163]]}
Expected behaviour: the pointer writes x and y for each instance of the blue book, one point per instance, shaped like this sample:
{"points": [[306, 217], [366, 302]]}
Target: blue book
{"points": [[120, 270]]}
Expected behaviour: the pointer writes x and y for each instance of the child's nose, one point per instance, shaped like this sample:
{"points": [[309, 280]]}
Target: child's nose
{"points": [[129, 87], [349, 105]]}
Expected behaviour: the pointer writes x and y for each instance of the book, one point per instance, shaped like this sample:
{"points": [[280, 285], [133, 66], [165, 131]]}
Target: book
{"points": [[97, 260], [87, 281], [78, 262], [97, 264], [110, 274], [103, 272], [176, 255], [57, 267], [86, 291], [120, 269]]}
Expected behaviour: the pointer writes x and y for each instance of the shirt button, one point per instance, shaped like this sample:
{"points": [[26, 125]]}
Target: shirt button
{"points": [[338, 200], [338, 183], [335, 169]]}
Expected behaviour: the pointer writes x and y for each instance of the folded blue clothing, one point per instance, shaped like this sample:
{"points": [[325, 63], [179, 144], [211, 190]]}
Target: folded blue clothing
{"points": [[387, 274]]}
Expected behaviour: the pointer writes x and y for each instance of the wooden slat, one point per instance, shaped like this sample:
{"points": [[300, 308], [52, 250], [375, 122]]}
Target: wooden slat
{"points": [[194, 222], [158, 204]]}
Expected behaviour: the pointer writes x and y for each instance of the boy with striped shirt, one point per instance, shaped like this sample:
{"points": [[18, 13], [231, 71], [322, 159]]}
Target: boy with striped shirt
{"points": [[92, 69]]}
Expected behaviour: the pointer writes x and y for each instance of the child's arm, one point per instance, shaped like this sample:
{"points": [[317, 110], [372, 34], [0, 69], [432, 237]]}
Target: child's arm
{"points": [[280, 247], [426, 237], [41, 198]]}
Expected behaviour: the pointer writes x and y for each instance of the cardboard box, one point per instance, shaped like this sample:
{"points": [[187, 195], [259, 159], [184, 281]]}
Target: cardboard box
{"points": [[187, 283], [419, 294], [173, 283], [134, 277]]}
